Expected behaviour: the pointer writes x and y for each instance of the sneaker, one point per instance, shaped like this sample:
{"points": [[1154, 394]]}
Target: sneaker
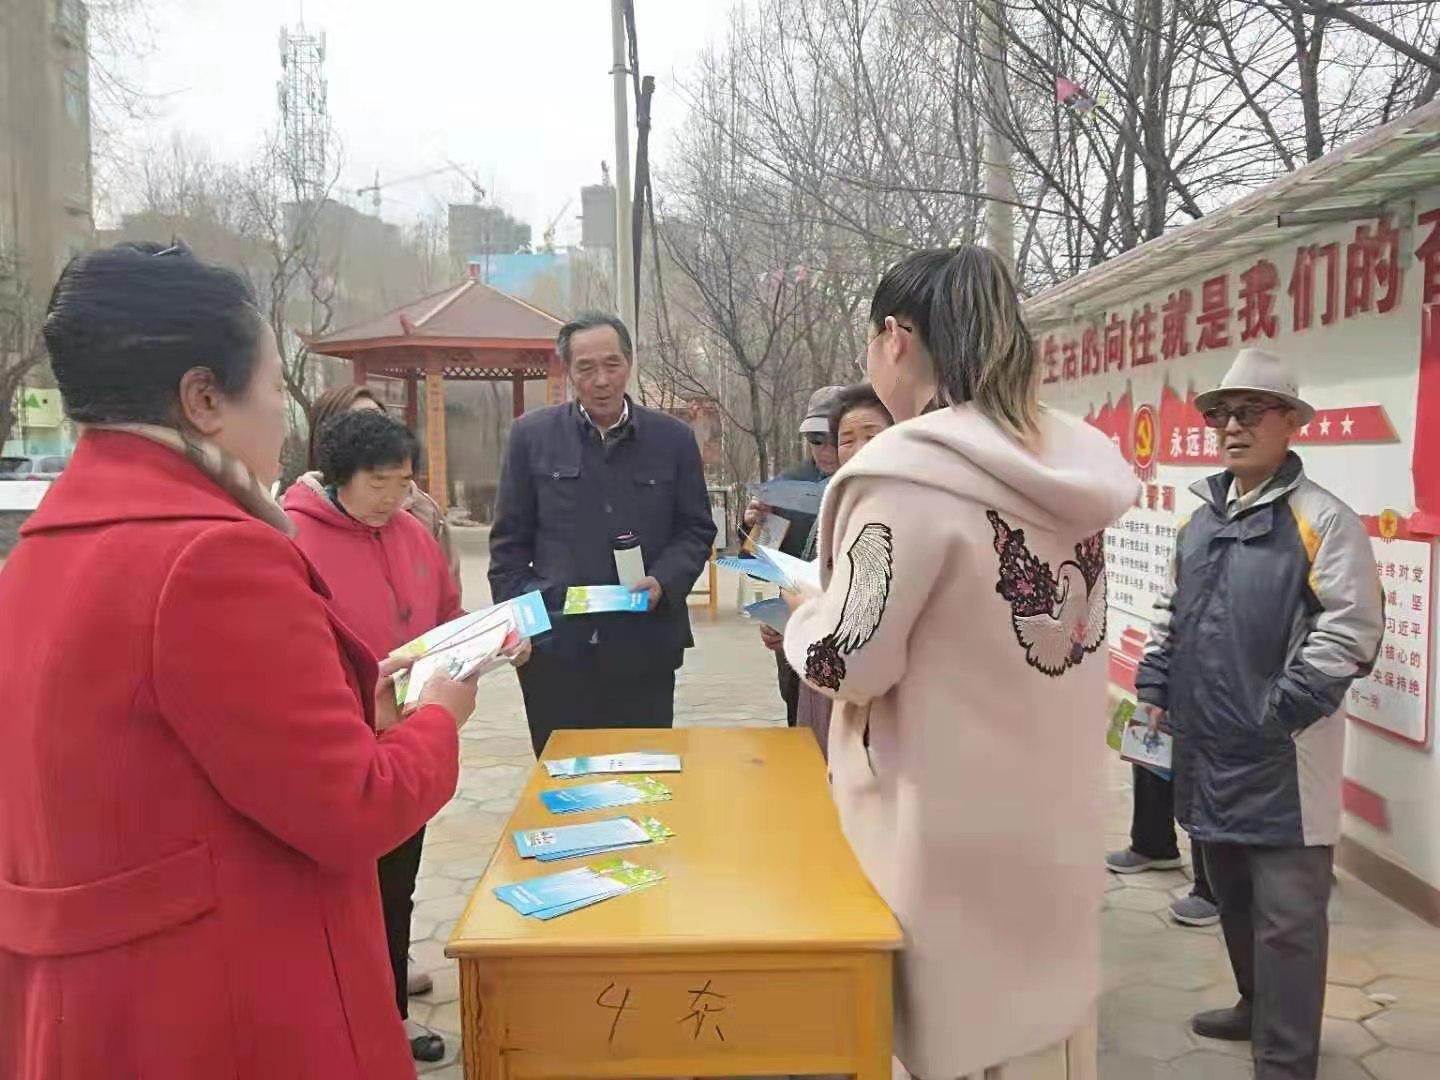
{"points": [[1131, 861], [1227, 1025], [425, 1045], [417, 981], [1194, 910]]}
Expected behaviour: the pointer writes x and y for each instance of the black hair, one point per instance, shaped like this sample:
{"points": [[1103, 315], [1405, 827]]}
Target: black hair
{"points": [[962, 304], [364, 440], [856, 396], [593, 320], [126, 323]]}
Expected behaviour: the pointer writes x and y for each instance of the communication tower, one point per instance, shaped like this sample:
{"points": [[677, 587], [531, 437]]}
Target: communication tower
{"points": [[304, 111]]}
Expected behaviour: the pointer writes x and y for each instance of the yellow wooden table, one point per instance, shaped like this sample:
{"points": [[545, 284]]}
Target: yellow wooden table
{"points": [[764, 952]]}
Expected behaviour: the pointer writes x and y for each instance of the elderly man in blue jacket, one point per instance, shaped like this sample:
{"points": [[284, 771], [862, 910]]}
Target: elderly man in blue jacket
{"points": [[1275, 607], [581, 480]]}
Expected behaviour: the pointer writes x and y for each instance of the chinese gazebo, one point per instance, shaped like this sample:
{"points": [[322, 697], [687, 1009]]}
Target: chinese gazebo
{"points": [[468, 331]]}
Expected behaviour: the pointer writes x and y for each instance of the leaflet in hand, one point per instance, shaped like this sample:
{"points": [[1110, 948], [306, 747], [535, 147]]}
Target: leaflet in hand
{"points": [[774, 613], [770, 531], [593, 838], [593, 599], [481, 649], [774, 566], [797, 496], [1153, 750], [605, 796], [557, 894], [638, 762], [527, 616]]}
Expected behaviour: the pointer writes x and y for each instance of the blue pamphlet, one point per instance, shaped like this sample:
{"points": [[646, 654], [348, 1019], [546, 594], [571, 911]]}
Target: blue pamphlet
{"points": [[532, 843], [594, 838], [774, 613], [774, 566], [547, 897], [634, 762], [797, 496], [593, 599], [604, 796]]}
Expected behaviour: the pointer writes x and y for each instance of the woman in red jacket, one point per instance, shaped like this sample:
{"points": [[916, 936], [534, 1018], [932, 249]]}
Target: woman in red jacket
{"points": [[199, 770], [390, 583]]}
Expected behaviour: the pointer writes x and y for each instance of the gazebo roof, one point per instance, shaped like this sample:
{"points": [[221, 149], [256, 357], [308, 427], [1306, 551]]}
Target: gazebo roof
{"points": [[470, 316]]}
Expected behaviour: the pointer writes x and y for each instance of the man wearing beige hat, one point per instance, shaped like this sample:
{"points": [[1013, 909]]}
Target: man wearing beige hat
{"points": [[1274, 608]]}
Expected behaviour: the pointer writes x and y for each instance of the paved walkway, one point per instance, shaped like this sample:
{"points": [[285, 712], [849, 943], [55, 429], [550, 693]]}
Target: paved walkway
{"points": [[1383, 1006]]}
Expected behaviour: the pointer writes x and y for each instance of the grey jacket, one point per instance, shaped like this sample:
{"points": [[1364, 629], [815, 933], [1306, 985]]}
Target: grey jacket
{"points": [[1270, 615]]}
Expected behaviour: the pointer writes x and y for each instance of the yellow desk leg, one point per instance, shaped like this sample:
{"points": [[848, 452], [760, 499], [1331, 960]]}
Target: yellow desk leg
{"points": [[480, 1043], [875, 1041]]}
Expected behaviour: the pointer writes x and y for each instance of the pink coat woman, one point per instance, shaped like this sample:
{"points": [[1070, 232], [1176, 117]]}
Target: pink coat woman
{"points": [[961, 633]]}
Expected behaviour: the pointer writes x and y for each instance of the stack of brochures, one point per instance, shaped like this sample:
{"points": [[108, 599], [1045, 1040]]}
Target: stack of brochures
{"points": [[636, 762], [593, 838], [471, 645], [547, 897], [595, 599], [774, 566], [605, 796]]}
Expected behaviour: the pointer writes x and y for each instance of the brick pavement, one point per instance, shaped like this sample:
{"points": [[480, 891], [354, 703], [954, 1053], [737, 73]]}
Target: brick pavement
{"points": [[1383, 1006]]}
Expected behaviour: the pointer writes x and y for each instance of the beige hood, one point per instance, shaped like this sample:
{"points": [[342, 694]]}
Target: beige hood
{"points": [[1072, 480]]}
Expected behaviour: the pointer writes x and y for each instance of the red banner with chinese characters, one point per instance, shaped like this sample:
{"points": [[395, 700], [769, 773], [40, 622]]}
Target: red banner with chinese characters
{"points": [[1425, 458], [1313, 285], [1395, 697], [1183, 438]]}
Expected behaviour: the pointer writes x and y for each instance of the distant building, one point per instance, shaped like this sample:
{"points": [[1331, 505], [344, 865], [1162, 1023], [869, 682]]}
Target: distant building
{"points": [[485, 230], [597, 216], [45, 173]]}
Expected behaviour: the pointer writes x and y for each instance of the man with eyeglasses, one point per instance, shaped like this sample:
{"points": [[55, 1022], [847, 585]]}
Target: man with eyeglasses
{"points": [[821, 460], [1274, 608]]}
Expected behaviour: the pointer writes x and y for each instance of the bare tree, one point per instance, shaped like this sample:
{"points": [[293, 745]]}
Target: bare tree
{"points": [[21, 346]]}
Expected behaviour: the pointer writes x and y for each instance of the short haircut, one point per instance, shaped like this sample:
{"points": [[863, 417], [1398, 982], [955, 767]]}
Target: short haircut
{"points": [[126, 323], [332, 403], [355, 441], [856, 396], [593, 320]]}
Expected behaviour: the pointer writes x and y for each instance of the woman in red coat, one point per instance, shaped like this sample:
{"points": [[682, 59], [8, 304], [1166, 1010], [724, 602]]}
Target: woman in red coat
{"points": [[390, 582], [193, 792]]}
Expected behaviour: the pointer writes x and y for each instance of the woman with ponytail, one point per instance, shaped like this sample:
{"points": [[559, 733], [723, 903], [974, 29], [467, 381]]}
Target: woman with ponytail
{"points": [[961, 634]]}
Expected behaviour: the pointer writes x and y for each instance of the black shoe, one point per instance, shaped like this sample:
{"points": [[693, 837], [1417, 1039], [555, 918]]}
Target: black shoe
{"points": [[425, 1045], [1227, 1025]]}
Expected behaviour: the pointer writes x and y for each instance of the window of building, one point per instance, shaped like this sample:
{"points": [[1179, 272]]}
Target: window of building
{"points": [[70, 18], [77, 96]]}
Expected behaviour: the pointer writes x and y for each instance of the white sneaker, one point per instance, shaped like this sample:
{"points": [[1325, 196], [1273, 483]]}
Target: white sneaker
{"points": [[417, 981]]}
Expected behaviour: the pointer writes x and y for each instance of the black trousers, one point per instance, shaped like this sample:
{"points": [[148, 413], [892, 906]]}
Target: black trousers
{"points": [[589, 691], [1152, 826], [1272, 909], [789, 687], [398, 871]]}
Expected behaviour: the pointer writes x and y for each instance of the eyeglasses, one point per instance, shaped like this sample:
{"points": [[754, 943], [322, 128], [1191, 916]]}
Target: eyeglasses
{"points": [[1247, 415], [816, 438]]}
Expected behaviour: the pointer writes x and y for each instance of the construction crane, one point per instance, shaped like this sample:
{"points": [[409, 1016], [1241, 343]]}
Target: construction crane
{"points": [[548, 244], [373, 190]]}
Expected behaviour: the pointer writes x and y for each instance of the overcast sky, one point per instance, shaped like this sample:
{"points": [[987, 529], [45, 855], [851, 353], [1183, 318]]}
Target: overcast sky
{"points": [[517, 90]]}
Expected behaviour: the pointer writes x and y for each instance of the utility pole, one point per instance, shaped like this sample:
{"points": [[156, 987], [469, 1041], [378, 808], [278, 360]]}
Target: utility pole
{"points": [[624, 244], [999, 181]]}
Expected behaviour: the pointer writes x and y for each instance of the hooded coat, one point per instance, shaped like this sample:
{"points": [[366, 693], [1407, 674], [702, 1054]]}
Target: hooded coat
{"points": [[390, 584], [961, 633]]}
